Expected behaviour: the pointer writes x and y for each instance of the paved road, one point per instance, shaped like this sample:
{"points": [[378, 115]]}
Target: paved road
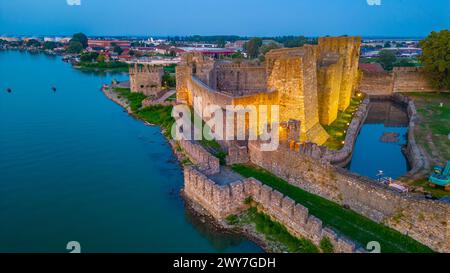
{"points": [[165, 96]]}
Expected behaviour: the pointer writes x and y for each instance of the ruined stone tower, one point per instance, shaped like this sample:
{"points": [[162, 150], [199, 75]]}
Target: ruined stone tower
{"points": [[146, 79]]}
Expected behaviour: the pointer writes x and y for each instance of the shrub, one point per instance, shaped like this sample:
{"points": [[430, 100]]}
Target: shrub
{"points": [[326, 245]]}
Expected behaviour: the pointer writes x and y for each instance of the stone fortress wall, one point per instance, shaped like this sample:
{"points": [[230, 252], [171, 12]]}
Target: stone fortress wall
{"points": [[422, 219], [205, 162], [221, 201], [305, 82], [240, 78], [400, 79], [308, 85], [146, 79]]}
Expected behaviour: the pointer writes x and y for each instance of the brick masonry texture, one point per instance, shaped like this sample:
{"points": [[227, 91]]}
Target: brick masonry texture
{"points": [[422, 219], [206, 162], [146, 79], [309, 83], [221, 201], [400, 79]]}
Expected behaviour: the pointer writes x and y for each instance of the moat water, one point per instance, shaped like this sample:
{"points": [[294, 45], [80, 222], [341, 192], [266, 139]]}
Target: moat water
{"points": [[75, 167], [370, 154]]}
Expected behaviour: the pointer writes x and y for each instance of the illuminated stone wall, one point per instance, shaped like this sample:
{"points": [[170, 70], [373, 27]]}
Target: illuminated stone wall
{"points": [[329, 77], [309, 83], [422, 219], [292, 72], [348, 49]]}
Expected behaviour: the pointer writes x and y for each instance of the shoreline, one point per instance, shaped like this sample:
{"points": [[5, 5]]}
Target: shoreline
{"points": [[247, 231]]}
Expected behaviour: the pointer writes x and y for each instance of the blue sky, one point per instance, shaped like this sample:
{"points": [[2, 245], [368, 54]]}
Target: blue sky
{"points": [[405, 18]]}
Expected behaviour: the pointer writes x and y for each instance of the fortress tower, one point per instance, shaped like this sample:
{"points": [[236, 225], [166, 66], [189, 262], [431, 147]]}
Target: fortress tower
{"points": [[146, 79], [345, 70], [310, 84]]}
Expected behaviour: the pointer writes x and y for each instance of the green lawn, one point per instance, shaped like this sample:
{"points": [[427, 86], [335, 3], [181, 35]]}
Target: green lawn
{"points": [[273, 231], [432, 132], [347, 222], [134, 99], [337, 129], [113, 66], [158, 114]]}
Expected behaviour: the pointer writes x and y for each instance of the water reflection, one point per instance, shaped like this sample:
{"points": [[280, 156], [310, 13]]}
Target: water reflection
{"points": [[380, 141]]}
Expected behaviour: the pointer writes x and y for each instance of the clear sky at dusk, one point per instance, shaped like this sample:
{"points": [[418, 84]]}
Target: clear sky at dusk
{"points": [[208, 17]]}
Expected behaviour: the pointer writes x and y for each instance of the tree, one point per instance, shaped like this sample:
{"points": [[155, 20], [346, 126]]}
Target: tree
{"points": [[221, 43], [237, 55], [435, 58], [296, 41], [74, 47], [172, 53], [117, 49], [252, 47], [88, 56], [387, 59], [80, 37], [50, 45], [387, 44], [33, 42], [169, 80], [101, 58], [266, 48], [402, 62]]}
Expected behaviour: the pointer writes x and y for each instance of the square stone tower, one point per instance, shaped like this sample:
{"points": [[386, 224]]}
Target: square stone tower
{"points": [[146, 79], [348, 50], [292, 72]]}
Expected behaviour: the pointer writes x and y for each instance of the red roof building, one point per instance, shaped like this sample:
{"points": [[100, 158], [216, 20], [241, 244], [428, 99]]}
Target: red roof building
{"points": [[108, 43]]}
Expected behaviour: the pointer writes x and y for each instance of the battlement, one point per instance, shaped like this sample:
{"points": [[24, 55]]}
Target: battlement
{"points": [[145, 68], [146, 79], [309, 83], [221, 201]]}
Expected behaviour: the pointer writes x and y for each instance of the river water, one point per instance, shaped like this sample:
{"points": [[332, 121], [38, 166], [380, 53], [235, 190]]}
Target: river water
{"points": [[370, 154], [75, 167]]}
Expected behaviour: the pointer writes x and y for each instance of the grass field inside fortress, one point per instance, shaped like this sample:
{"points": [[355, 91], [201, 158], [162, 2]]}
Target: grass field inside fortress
{"points": [[273, 231], [432, 133], [345, 221], [336, 130]]}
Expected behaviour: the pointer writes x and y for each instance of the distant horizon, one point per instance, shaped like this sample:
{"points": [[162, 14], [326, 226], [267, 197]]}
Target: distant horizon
{"points": [[212, 35], [250, 18]]}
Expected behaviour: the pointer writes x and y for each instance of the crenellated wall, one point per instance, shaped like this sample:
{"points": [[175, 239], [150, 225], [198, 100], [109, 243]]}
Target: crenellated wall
{"points": [[422, 219], [221, 201], [206, 162], [146, 79], [309, 83]]}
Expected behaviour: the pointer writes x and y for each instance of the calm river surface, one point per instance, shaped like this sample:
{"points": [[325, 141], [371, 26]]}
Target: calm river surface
{"points": [[75, 167]]}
